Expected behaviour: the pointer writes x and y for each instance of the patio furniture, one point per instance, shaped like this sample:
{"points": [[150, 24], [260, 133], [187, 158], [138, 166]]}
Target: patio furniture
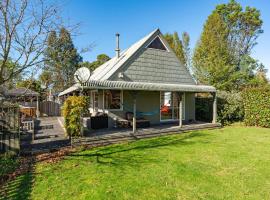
{"points": [[99, 121], [140, 122]]}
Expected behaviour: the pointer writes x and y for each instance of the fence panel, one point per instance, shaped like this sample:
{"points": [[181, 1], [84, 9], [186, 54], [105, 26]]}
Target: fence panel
{"points": [[50, 108]]}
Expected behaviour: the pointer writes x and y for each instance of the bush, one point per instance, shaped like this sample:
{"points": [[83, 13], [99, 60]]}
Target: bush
{"points": [[74, 107], [230, 107], [257, 106]]}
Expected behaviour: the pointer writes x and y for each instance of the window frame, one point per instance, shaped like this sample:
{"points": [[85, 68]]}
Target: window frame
{"points": [[173, 107], [121, 101]]}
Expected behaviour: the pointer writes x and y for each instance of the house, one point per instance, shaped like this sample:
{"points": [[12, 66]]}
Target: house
{"points": [[147, 81]]}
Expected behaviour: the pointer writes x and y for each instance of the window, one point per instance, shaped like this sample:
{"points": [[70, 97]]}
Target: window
{"points": [[113, 99], [157, 44], [169, 106]]}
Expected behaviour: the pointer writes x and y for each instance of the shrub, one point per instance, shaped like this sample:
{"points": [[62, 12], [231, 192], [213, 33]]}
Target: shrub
{"points": [[257, 106], [229, 108], [74, 107]]}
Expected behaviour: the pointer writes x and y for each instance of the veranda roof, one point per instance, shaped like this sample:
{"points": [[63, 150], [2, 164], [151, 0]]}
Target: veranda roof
{"points": [[125, 85]]}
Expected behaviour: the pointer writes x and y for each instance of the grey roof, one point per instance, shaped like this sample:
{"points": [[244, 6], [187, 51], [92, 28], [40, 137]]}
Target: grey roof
{"points": [[20, 92], [124, 85], [105, 71], [141, 64], [73, 88], [143, 69]]}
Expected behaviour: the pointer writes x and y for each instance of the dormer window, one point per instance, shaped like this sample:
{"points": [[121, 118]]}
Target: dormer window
{"points": [[157, 44]]}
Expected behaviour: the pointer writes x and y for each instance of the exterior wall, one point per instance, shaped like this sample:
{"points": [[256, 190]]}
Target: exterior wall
{"points": [[189, 106], [147, 101]]}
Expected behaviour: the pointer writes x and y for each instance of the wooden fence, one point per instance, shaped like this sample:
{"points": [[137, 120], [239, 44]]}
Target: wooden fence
{"points": [[46, 108], [9, 128]]}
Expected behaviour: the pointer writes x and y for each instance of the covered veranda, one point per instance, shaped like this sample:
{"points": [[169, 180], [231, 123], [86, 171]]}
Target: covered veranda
{"points": [[134, 88]]}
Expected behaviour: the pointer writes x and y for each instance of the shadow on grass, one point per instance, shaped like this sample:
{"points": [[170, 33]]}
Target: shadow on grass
{"points": [[114, 155], [21, 186]]}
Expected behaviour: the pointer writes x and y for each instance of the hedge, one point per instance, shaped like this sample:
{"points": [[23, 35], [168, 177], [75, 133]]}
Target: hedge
{"points": [[74, 107], [257, 106]]}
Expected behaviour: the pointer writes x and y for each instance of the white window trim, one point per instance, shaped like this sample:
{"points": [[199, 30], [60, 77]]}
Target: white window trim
{"points": [[183, 108], [161, 42], [121, 102]]}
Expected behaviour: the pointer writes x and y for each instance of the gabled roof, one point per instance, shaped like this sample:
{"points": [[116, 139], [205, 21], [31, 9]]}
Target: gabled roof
{"points": [[17, 92], [105, 71]]}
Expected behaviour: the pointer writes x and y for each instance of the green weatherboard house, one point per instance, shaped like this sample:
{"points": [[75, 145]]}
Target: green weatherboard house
{"points": [[144, 83]]}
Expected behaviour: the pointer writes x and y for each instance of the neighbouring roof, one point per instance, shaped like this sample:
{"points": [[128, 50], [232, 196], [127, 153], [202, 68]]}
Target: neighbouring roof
{"points": [[17, 92]]}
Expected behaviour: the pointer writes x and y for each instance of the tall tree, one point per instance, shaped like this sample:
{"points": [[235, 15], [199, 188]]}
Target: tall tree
{"points": [[177, 45], [24, 27], [101, 59], [222, 55], [212, 60], [62, 59], [187, 51]]}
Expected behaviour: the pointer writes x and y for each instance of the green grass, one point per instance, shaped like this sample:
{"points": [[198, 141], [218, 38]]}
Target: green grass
{"points": [[8, 164], [229, 163]]}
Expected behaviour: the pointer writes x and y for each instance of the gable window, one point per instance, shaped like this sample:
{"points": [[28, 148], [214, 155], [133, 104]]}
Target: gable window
{"points": [[157, 44], [113, 99]]}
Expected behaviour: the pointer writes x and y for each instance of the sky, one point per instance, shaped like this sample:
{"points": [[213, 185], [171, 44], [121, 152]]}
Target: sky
{"points": [[133, 19]]}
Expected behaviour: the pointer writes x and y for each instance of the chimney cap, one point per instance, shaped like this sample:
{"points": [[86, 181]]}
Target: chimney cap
{"points": [[117, 34]]}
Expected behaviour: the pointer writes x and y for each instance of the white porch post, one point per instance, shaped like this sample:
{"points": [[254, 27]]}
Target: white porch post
{"points": [[134, 114], [37, 111], [214, 107], [180, 110]]}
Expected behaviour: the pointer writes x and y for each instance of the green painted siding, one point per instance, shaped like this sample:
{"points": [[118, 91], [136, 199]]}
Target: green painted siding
{"points": [[189, 106]]}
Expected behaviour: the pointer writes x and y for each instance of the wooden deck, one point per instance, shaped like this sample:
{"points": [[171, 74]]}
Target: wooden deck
{"points": [[107, 137]]}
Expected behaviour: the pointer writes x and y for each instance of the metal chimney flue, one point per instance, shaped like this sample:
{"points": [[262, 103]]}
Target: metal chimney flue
{"points": [[117, 50]]}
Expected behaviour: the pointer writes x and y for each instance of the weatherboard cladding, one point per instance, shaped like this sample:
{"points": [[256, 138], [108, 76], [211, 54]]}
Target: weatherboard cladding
{"points": [[156, 66]]}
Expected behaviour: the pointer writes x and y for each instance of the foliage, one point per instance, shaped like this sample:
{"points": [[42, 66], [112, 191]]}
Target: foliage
{"points": [[208, 164], [211, 58], [45, 78], [101, 59], [25, 25], [177, 45], [31, 84], [61, 59], [222, 55], [257, 106], [7, 164], [230, 107], [74, 108]]}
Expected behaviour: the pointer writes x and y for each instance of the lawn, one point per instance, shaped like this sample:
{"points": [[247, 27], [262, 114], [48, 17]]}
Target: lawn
{"points": [[228, 163]]}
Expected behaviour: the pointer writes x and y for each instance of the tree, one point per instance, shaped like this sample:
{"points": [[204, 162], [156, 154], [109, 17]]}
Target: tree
{"points": [[177, 46], [45, 78], [101, 59], [244, 27], [222, 55], [187, 51], [24, 27], [31, 84], [212, 60], [61, 59]]}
